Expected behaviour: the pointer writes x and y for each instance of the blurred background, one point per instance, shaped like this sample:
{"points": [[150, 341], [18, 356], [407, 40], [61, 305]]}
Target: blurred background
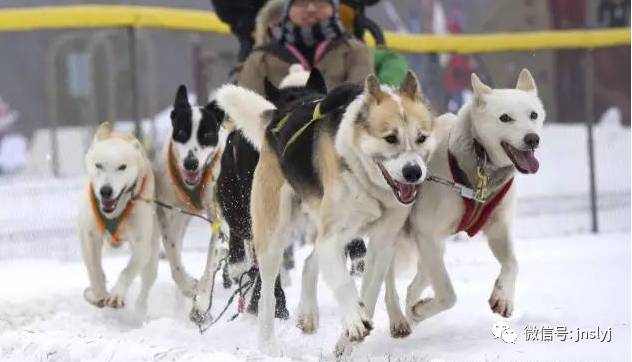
{"points": [[57, 85]]}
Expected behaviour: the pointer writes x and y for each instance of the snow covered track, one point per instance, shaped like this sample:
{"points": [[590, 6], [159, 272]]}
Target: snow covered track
{"points": [[574, 282]]}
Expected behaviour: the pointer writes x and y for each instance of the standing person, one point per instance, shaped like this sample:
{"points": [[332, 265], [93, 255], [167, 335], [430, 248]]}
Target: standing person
{"points": [[310, 33]]}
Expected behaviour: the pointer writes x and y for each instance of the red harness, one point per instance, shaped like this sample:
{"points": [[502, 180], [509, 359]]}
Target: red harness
{"points": [[476, 213]]}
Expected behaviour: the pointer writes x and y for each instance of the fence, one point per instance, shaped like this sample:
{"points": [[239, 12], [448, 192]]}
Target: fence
{"points": [[125, 37]]}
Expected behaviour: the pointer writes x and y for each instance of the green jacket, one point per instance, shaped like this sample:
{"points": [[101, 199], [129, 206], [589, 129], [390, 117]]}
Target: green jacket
{"points": [[390, 66]]}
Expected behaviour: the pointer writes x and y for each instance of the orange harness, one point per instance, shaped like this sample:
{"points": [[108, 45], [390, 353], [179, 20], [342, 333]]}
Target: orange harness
{"points": [[191, 197], [112, 225]]}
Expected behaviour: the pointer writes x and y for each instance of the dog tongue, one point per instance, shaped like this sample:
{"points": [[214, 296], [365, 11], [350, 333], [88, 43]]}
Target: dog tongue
{"points": [[407, 192], [526, 161]]}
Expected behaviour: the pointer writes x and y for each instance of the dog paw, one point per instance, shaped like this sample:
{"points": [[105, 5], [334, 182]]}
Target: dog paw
{"points": [[416, 312], [500, 303], [115, 300], [400, 328], [200, 317], [357, 325], [343, 348], [91, 298], [307, 321]]}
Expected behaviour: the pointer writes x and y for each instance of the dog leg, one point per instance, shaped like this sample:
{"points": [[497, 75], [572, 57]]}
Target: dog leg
{"points": [[237, 257], [308, 306], [148, 275], [269, 263], [91, 251], [331, 261], [357, 253], [383, 241], [420, 282], [173, 228], [140, 247], [431, 252], [501, 300], [202, 297], [400, 327]]}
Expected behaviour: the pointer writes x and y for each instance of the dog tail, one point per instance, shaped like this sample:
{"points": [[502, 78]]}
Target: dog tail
{"points": [[251, 112]]}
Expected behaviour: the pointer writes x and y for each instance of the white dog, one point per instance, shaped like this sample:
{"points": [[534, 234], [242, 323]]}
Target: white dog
{"points": [[474, 163], [118, 172]]}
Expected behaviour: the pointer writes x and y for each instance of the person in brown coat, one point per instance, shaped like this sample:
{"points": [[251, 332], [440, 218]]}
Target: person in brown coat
{"points": [[310, 33]]}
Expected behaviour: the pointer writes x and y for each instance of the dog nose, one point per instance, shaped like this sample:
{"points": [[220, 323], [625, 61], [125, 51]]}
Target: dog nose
{"points": [[191, 163], [411, 172], [106, 192], [532, 140]]}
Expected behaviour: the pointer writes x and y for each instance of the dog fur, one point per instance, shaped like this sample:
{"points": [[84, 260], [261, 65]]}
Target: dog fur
{"points": [[504, 122], [355, 172], [117, 166], [190, 162]]}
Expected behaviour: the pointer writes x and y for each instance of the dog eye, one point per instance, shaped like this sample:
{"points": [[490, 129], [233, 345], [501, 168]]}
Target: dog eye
{"points": [[422, 138], [122, 167], [98, 166], [533, 116], [392, 139], [505, 118]]}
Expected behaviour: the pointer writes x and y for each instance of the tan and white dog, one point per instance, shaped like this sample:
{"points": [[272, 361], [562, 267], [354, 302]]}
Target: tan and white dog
{"points": [[353, 163], [478, 153], [118, 173]]}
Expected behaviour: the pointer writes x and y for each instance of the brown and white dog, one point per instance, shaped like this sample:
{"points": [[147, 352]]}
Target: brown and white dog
{"points": [[118, 173], [353, 160], [480, 149]]}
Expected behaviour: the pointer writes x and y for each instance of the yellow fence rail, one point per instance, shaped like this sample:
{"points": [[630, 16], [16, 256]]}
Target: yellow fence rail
{"points": [[104, 16]]}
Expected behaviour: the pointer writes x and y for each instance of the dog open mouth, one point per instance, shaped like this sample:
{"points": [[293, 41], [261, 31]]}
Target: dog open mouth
{"points": [[524, 160], [109, 205], [192, 178], [404, 192]]}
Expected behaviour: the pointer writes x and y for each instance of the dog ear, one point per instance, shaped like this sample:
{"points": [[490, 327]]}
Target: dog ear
{"points": [[182, 99], [410, 86], [137, 145], [372, 88], [217, 112], [316, 82], [526, 82], [103, 131], [271, 92], [480, 89]]}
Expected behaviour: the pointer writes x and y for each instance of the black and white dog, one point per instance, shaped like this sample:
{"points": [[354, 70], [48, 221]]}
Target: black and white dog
{"points": [[186, 174]]}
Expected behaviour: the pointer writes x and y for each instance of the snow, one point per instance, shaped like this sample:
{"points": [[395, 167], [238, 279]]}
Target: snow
{"points": [[575, 282], [568, 278]]}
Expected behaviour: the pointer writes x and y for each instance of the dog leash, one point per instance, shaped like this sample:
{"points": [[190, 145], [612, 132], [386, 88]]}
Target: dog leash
{"points": [[460, 189], [242, 288]]}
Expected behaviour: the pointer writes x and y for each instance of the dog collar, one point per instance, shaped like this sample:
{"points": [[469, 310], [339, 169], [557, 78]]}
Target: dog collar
{"points": [[111, 225], [192, 197]]}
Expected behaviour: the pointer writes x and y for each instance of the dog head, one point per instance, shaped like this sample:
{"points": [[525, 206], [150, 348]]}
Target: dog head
{"points": [[391, 131], [293, 88], [115, 163], [508, 122], [195, 136]]}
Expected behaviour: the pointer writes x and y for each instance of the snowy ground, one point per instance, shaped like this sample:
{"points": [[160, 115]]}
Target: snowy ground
{"points": [[574, 282]]}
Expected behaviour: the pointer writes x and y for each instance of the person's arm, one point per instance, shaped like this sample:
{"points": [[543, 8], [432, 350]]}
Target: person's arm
{"points": [[361, 63], [252, 73]]}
